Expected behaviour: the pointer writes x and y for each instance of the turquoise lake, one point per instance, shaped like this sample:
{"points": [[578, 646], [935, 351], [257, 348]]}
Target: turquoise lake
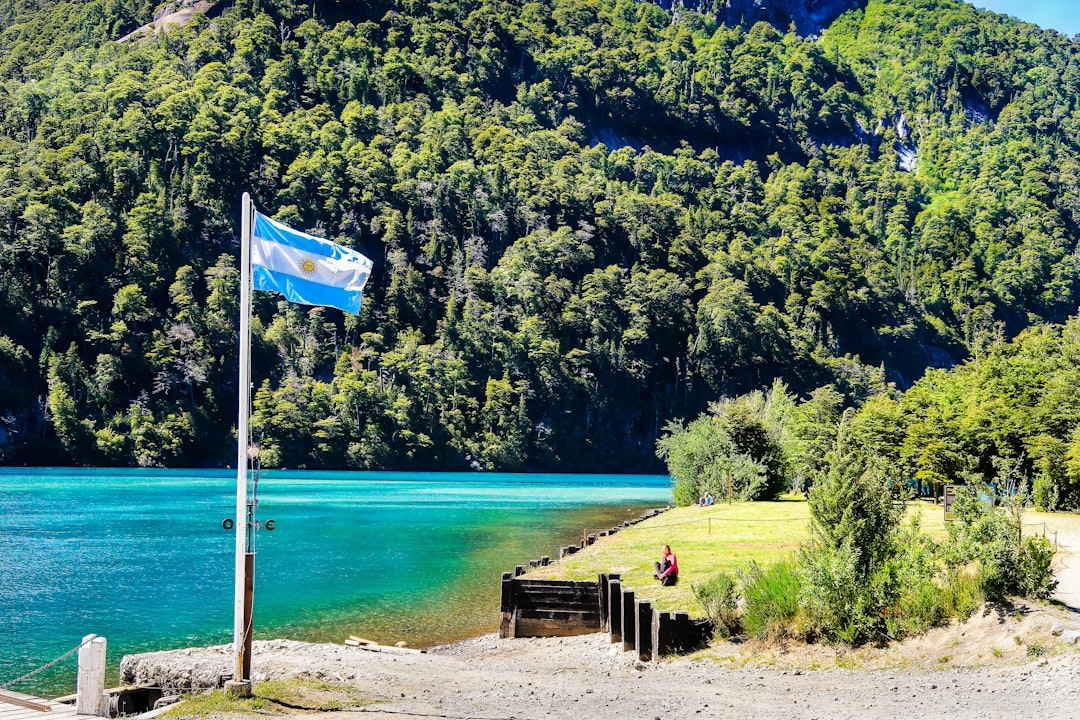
{"points": [[140, 557]]}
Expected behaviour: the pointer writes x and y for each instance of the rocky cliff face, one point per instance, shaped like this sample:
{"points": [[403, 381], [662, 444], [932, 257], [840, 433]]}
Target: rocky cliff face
{"points": [[810, 16]]}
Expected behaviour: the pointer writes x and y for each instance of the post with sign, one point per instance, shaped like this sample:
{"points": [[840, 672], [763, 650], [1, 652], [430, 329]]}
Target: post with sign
{"points": [[950, 497]]}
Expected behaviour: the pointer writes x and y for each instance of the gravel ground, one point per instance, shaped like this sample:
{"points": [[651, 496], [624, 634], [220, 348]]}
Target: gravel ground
{"points": [[586, 677]]}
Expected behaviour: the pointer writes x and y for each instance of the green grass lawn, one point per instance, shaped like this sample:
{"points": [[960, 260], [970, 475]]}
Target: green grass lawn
{"points": [[721, 537], [727, 537]]}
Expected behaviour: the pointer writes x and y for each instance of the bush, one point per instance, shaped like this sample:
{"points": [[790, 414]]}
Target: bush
{"points": [[771, 600], [1045, 493], [735, 453], [1033, 577], [848, 565], [990, 536], [719, 595]]}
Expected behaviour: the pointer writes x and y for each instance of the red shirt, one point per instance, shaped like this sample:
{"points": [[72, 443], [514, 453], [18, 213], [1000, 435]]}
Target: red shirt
{"points": [[673, 568]]}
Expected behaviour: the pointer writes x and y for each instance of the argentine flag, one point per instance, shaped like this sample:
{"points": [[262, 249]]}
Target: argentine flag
{"points": [[306, 269]]}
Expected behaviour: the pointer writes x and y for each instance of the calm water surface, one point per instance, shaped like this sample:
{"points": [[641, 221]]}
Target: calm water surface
{"points": [[140, 556]]}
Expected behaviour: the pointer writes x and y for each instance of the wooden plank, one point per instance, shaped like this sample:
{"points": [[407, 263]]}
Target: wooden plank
{"points": [[25, 701], [582, 615], [556, 603], [539, 627], [556, 591], [530, 582], [362, 641], [389, 649]]}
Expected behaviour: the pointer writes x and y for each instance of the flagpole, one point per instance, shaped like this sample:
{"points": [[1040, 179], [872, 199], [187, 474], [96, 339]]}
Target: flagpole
{"points": [[241, 684]]}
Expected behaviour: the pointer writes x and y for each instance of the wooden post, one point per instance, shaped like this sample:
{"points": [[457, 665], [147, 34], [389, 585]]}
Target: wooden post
{"points": [[643, 634], [90, 681], [660, 620], [506, 604], [249, 605], [615, 609], [604, 627], [629, 620], [519, 570]]}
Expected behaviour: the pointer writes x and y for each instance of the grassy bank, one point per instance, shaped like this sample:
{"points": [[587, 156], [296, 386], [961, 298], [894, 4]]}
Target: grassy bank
{"points": [[727, 537], [704, 540]]}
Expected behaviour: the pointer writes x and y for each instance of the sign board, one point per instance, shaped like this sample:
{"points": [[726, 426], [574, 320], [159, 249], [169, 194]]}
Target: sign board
{"points": [[950, 498]]}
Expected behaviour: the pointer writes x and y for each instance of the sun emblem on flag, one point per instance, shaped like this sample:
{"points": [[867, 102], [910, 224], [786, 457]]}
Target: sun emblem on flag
{"points": [[308, 267]]}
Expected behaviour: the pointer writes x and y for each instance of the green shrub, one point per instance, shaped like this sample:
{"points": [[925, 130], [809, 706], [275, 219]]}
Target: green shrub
{"points": [[990, 536], [719, 595], [927, 593], [1033, 577], [770, 600], [1045, 493], [848, 565], [842, 603], [734, 452]]}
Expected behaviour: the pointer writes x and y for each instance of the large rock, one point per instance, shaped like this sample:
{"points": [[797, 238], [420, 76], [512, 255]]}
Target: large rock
{"points": [[183, 670], [810, 16]]}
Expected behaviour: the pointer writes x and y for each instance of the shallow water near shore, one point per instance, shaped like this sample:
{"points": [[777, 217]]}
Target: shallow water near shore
{"points": [[140, 556]]}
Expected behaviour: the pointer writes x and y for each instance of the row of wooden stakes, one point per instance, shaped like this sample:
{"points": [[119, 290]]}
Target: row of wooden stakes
{"points": [[588, 539]]}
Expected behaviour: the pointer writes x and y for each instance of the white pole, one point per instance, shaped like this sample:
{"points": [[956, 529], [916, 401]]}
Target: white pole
{"points": [[90, 681], [239, 630]]}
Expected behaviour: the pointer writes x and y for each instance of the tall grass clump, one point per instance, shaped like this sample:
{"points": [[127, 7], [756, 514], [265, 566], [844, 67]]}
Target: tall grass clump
{"points": [[770, 600], [719, 596]]}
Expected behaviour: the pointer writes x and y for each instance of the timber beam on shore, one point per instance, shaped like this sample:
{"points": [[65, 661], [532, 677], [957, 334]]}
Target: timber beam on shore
{"points": [[371, 646]]}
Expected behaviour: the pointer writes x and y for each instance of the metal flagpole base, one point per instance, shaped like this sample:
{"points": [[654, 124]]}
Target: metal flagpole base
{"points": [[238, 688]]}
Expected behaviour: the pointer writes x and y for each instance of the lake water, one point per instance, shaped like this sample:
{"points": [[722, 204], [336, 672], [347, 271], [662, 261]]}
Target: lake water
{"points": [[140, 556]]}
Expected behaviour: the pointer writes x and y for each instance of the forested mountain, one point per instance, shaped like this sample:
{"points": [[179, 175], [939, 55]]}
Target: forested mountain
{"points": [[587, 217]]}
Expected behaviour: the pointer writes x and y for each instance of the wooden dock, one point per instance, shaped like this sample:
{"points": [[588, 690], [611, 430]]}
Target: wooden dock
{"points": [[18, 706]]}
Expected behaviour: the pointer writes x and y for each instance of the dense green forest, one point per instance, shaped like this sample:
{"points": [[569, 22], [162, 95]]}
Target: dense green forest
{"points": [[588, 218], [1011, 416]]}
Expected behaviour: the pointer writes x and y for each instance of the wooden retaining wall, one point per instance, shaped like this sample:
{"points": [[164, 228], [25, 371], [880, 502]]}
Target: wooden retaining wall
{"points": [[559, 608], [550, 608]]}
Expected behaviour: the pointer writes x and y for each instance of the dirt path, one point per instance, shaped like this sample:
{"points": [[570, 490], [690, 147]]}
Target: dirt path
{"points": [[1067, 569]]}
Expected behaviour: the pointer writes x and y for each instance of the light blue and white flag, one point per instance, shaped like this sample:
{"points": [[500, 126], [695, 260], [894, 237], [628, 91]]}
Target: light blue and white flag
{"points": [[306, 269]]}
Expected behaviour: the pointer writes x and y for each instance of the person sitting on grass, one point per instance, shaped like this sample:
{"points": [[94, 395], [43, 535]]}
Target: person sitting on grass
{"points": [[667, 570]]}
